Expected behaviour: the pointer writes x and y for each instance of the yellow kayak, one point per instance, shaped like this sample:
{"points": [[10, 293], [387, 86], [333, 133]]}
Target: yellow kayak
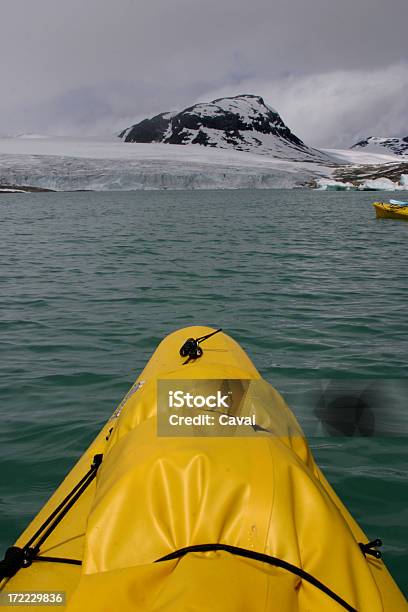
{"points": [[165, 512], [390, 211]]}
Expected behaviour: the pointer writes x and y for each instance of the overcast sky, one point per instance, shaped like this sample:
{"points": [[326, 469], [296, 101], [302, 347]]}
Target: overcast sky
{"points": [[336, 70]]}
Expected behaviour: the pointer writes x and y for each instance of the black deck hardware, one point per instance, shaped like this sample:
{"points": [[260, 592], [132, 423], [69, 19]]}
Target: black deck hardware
{"points": [[192, 349], [370, 548]]}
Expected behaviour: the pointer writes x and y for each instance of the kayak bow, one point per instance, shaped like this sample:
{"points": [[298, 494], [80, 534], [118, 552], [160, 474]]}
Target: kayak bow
{"points": [[152, 522]]}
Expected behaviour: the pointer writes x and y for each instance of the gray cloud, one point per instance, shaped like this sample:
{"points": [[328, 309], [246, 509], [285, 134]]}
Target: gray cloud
{"points": [[96, 65], [340, 107]]}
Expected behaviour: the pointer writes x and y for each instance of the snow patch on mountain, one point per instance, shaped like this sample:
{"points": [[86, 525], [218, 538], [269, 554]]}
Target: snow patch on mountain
{"points": [[396, 146], [362, 157]]}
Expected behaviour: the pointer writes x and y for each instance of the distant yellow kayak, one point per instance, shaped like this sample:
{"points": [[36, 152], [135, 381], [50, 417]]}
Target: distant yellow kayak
{"points": [[155, 522], [390, 211]]}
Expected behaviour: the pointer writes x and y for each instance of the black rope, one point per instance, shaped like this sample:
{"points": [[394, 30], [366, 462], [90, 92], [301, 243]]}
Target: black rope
{"points": [[250, 554], [61, 505], [64, 511], [202, 338], [17, 558], [59, 560], [191, 348]]}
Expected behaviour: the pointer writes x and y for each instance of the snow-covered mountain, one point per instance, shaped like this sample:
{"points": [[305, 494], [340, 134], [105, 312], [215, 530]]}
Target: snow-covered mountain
{"points": [[377, 144], [243, 123]]}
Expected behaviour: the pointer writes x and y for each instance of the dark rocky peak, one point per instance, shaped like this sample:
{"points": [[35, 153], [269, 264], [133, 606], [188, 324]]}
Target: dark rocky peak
{"points": [[244, 123]]}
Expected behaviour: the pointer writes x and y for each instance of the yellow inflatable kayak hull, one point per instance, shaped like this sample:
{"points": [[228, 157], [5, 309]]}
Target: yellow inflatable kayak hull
{"points": [[250, 498], [390, 211]]}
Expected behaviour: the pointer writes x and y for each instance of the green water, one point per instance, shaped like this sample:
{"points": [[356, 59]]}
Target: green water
{"points": [[310, 283]]}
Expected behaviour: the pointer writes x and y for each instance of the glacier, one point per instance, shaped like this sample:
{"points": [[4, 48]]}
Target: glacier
{"points": [[69, 164]]}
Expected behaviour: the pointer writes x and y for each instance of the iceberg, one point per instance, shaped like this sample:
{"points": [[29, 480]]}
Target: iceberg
{"points": [[384, 184], [324, 184], [378, 184]]}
